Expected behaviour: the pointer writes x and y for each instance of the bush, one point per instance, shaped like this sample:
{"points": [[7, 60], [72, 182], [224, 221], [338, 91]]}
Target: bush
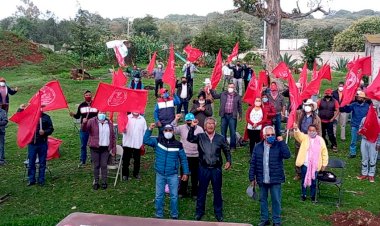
{"points": [[341, 64], [310, 55], [253, 58], [287, 59]]}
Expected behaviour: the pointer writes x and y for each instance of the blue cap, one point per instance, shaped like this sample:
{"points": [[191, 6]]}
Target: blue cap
{"points": [[189, 117]]}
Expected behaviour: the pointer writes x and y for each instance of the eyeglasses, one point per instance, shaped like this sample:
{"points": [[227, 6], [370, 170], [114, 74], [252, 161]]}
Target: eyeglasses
{"points": [[270, 135]]}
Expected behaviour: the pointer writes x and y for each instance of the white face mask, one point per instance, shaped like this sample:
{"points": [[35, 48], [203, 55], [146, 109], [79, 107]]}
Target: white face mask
{"points": [[201, 101], [168, 135], [257, 104], [230, 90], [340, 89], [2, 84], [307, 109]]}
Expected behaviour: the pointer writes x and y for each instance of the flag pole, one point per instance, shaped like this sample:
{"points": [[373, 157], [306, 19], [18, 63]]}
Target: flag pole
{"points": [[287, 136]]}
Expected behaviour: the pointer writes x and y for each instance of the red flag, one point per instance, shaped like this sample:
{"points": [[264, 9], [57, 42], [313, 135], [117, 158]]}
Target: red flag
{"points": [[315, 84], [373, 90], [53, 148], [119, 56], [252, 91], [315, 73], [325, 72], [351, 84], [234, 53], [151, 64], [263, 78], [192, 53], [27, 121], [303, 77], [365, 65], [122, 121], [217, 71], [118, 78], [294, 99], [52, 97], [169, 74], [281, 71], [371, 127], [119, 99]]}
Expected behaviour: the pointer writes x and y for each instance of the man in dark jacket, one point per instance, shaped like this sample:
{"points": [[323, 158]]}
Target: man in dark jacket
{"points": [[85, 111], [210, 147], [136, 83], [248, 73], [38, 147], [164, 111], [267, 170], [238, 77], [230, 111], [5, 91], [185, 93], [168, 153]]}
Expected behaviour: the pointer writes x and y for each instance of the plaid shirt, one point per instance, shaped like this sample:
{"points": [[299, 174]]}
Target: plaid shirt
{"points": [[228, 108]]}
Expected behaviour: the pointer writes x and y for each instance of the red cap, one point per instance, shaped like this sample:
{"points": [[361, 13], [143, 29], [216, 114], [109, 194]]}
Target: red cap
{"points": [[328, 91]]}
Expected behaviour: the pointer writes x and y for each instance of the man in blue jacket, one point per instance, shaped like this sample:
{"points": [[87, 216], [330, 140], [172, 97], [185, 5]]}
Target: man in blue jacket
{"points": [[359, 110], [267, 170], [168, 153], [164, 111]]}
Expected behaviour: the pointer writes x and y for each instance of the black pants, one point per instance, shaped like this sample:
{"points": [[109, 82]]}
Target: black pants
{"points": [[194, 167], [205, 176], [254, 138], [246, 82], [99, 157], [128, 154], [329, 128], [157, 84], [185, 104]]}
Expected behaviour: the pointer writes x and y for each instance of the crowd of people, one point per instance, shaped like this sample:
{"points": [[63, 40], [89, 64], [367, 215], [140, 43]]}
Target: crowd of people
{"points": [[198, 152]]}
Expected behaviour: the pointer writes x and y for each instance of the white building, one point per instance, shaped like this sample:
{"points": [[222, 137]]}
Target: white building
{"points": [[292, 44]]}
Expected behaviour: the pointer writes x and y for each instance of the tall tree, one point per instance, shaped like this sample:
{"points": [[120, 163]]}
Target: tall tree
{"points": [[270, 11], [145, 25], [28, 10]]}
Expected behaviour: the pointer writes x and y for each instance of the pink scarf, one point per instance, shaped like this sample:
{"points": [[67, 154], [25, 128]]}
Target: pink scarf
{"points": [[313, 161]]}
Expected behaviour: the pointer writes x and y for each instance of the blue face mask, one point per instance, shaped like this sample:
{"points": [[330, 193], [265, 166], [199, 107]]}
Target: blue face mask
{"points": [[265, 99], [166, 95], [102, 117], [270, 139]]}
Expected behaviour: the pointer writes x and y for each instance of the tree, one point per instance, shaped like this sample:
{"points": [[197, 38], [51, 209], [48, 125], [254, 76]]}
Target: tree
{"points": [[322, 37], [28, 10], [145, 25], [351, 39], [270, 11]]}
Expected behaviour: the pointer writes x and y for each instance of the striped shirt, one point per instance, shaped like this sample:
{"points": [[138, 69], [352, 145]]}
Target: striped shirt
{"points": [[228, 108]]}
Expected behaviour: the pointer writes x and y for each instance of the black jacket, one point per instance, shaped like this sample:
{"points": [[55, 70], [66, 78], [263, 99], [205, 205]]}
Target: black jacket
{"points": [[210, 153], [47, 127], [189, 91]]}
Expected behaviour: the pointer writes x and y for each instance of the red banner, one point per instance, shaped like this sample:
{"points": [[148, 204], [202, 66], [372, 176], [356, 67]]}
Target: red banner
{"points": [[217, 71], [52, 97], [373, 90], [252, 91], [119, 99], [281, 71], [313, 87], [169, 74], [192, 53], [371, 127], [152, 63], [234, 53], [53, 148], [303, 77], [118, 78], [351, 84], [119, 57]]}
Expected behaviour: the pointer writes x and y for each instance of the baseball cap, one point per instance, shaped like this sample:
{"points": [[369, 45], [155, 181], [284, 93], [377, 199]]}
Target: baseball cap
{"points": [[189, 117]]}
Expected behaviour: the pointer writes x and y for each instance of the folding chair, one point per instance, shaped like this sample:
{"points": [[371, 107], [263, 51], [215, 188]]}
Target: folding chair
{"points": [[26, 163], [339, 167], [117, 164]]}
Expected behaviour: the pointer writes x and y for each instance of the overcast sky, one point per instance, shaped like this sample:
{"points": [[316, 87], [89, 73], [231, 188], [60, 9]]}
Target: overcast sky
{"points": [[66, 9]]}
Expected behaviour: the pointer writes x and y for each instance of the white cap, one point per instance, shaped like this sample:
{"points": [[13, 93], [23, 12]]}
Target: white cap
{"points": [[207, 81]]}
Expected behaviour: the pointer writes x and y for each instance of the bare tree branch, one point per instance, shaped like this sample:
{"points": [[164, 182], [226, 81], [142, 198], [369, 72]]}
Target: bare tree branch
{"points": [[297, 13]]}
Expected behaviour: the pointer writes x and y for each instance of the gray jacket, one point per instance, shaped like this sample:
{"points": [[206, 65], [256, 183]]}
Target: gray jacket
{"points": [[237, 109], [3, 121]]}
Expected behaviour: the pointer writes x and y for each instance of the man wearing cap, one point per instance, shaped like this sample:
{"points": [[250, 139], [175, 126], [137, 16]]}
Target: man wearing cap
{"points": [[84, 111], [267, 170], [185, 93], [359, 109], [304, 118], [328, 110], [164, 111], [210, 147], [191, 151], [136, 83], [169, 154], [342, 117], [158, 73]]}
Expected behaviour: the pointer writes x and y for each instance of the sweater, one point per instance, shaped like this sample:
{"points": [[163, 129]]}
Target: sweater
{"points": [[191, 149], [304, 140], [92, 127], [168, 154]]}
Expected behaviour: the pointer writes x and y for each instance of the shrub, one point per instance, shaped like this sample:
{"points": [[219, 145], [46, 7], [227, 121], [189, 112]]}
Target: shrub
{"points": [[341, 64], [287, 59]]}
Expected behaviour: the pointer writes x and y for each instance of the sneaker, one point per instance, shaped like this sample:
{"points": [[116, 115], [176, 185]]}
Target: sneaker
{"points": [[95, 186], [219, 218], [371, 179], [313, 199], [125, 178], [352, 156], [104, 186], [137, 177], [362, 177], [81, 165], [296, 177], [303, 197], [335, 149], [198, 217]]}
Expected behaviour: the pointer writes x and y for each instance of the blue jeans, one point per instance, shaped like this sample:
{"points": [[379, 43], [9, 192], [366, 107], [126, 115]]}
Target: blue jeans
{"points": [[83, 146], [229, 122], [275, 193], [161, 181], [313, 186], [354, 138], [205, 176], [185, 104], [277, 124], [33, 151], [2, 144]]}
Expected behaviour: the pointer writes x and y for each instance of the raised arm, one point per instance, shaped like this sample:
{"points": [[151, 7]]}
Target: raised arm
{"points": [[148, 139]]}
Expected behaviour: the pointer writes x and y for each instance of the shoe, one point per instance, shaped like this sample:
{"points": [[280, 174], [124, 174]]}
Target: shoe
{"points": [[362, 177], [198, 217], [303, 197], [233, 149], [41, 184], [313, 199], [296, 177], [95, 186], [335, 149], [137, 177], [104, 186], [276, 224], [263, 223], [2, 163], [125, 178], [174, 218], [352, 156], [371, 179], [81, 165], [30, 184], [219, 218]]}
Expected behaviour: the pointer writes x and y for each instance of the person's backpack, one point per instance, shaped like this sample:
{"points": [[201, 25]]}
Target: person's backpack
{"points": [[327, 176]]}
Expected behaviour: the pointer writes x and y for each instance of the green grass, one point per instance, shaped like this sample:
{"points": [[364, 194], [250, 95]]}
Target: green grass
{"points": [[69, 189]]}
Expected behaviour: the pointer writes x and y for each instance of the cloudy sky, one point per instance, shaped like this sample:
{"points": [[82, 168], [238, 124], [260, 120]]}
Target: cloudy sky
{"points": [[65, 9]]}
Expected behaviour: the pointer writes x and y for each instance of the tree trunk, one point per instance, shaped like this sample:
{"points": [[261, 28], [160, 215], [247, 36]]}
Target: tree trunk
{"points": [[273, 34]]}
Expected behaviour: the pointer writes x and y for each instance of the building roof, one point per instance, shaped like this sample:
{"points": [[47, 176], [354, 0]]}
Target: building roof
{"points": [[373, 39]]}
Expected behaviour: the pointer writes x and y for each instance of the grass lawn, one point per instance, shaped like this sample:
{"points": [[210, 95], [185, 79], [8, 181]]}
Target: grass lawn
{"points": [[69, 188]]}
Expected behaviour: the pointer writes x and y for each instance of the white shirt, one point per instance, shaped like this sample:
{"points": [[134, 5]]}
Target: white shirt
{"points": [[135, 130], [104, 134], [255, 116], [226, 70], [184, 91]]}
